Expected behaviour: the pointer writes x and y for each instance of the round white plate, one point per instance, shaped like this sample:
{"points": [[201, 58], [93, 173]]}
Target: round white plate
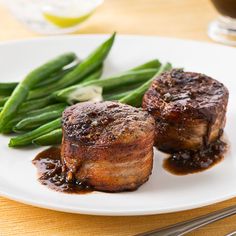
{"points": [[163, 192]]}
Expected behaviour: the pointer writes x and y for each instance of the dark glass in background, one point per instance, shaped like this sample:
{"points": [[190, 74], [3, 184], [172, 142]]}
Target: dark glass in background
{"points": [[223, 29], [226, 7]]}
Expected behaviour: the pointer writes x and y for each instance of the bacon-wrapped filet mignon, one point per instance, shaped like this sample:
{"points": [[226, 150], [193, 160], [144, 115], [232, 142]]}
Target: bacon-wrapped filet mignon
{"points": [[189, 110], [107, 145]]}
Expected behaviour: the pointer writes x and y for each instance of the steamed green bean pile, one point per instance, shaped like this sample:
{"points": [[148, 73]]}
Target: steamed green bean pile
{"points": [[33, 107]]}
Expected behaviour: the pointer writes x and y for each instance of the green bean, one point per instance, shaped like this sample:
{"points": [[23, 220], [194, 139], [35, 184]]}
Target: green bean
{"points": [[27, 138], [39, 111], [3, 100], [122, 89], [52, 138], [7, 88], [118, 96], [53, 78], [149, 65], [87, 66], [153, 64], [36, 104], [94, 76], [20, 93], [1, 109], [135, 98], [43, 86], [23, 115], [70, 94], [33, 122]]}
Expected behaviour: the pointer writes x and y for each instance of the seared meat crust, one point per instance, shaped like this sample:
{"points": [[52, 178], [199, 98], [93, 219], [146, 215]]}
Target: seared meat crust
{"points": [[189, 109], [108, 145]]}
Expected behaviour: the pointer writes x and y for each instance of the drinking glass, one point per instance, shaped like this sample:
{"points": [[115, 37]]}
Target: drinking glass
{"points": [[53, 16], [223, 29]]}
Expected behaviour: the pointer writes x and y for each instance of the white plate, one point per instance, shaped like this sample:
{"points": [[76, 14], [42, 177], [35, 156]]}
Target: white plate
{"points": [[164, 192]]}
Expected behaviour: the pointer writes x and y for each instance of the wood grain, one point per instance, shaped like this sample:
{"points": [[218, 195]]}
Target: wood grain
{"points": [[173, 18]]}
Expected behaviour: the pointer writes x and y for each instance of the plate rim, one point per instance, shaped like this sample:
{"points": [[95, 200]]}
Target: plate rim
{"points": [[118, 35], [98, 212]]}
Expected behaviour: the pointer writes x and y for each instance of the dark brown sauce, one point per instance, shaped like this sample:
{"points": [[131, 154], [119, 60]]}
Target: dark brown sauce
{"points": [[189, 162], [226, 7], [52, 174]]}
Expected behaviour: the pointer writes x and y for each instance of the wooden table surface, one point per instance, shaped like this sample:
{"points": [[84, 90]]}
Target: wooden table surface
{"points": [[174, 18]]}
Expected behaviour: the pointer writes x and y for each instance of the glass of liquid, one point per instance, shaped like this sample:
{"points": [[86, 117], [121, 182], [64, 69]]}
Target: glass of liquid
{"points": [[223, 29], [53, 16]]}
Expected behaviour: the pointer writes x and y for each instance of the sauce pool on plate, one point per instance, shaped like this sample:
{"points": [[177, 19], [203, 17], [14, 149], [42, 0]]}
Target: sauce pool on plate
{"points": [[189, 162], [52, 173]]}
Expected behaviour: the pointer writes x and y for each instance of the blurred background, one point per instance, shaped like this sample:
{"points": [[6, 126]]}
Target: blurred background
{"points": [[186, 19], [172, 18]]}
